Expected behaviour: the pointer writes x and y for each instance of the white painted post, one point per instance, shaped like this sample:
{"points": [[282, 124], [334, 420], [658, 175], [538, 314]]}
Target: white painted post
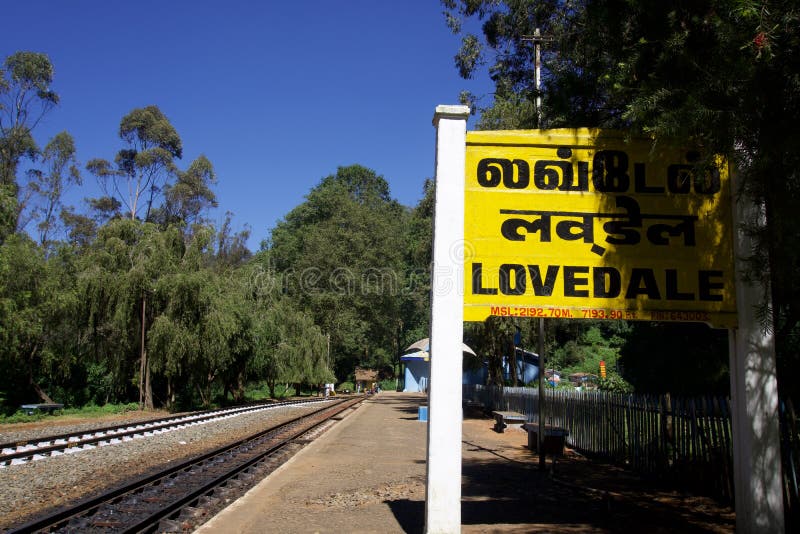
{"points": [[443, 498], [754, 395]]}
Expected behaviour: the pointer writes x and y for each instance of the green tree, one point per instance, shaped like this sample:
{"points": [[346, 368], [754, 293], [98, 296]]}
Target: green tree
{"points": [[415, 298], [25, 98], [191, 196], [340, 254], [80, 228], [190, 338], [120, 273], [718, 74], [144, 166], [8, 210], [289, 348], [38, 304], [661, 358], [232, 248], [493, 339], [49, 185], [267, 363]]}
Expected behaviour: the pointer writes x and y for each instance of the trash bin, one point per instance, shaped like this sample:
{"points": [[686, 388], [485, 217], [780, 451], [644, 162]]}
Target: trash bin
{"points": [[554, 438], [423, 413]]}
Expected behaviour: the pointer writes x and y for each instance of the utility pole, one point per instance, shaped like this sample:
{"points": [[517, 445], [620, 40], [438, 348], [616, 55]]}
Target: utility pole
{"points": [[540, 433], [537, 74], [143, 362], [537, 39]]}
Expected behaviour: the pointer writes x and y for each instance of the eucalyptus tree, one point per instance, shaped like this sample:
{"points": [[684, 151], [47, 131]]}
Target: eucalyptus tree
{"points": [[145, 165], [81, 229], [231, 249], [26, 97], [188, 200], [48, 186]]}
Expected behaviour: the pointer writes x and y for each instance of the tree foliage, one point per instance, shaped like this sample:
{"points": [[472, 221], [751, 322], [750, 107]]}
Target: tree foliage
{"points": [[340, 255], [48, 186], [418, 259], [718, 74], [25, 98], [680, 359], [155, 300], [142, 168], [141, 295], [37, 308], [191, 196]]}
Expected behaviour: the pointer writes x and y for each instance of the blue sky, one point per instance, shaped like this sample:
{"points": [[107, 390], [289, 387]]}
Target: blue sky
{"points": [[276, 95]]}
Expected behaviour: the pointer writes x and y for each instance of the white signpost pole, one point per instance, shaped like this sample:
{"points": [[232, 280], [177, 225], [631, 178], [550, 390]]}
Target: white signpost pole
{"points": [[443, 498], [754, 395]]}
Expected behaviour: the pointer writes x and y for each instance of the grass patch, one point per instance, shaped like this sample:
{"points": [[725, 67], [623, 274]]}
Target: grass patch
{"points": [[21, 417], [106, 409], [90, 410], [389, 384], [260, 391], [345, 386]]}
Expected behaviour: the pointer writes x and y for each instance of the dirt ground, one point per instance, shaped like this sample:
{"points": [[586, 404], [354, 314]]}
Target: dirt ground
{"points": [[503, 490]]}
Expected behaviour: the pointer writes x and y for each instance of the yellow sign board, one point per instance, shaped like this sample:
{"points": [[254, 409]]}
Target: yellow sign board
{"points": [[587, 224]]}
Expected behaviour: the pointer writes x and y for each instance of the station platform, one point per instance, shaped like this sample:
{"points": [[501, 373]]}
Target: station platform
{"points": [[366, 474]]}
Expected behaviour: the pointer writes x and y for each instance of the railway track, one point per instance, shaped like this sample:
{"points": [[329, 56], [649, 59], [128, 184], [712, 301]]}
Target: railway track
{"points": [[22, 451], [183, 496]]}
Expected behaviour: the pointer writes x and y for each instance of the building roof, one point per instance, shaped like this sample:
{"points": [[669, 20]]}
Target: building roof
{"points": [[420, 355], [366, 375]]}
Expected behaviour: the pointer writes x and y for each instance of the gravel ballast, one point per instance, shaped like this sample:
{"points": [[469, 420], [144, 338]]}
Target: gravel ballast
{"points": [[31, 488]]}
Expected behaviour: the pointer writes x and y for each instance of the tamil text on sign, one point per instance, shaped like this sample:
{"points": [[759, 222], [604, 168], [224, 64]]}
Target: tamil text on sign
{"points": [[588, 224]]}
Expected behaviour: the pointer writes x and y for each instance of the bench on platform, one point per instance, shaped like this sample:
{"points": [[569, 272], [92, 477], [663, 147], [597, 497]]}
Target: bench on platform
{"points": [[30, 409], [553, 442], [504, 419]]}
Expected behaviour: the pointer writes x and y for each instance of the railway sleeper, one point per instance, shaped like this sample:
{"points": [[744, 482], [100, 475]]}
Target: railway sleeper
{"points": [[149, 498]]}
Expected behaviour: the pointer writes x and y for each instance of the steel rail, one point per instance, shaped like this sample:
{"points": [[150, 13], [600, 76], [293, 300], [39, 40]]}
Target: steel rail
{"points": [[191, 497], [60, 518], [119, 432], [252, 406]]}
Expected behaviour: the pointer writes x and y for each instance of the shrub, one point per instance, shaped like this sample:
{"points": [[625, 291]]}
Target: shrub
{"points": [[613, 383], [21, 417], [389, 384]]}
